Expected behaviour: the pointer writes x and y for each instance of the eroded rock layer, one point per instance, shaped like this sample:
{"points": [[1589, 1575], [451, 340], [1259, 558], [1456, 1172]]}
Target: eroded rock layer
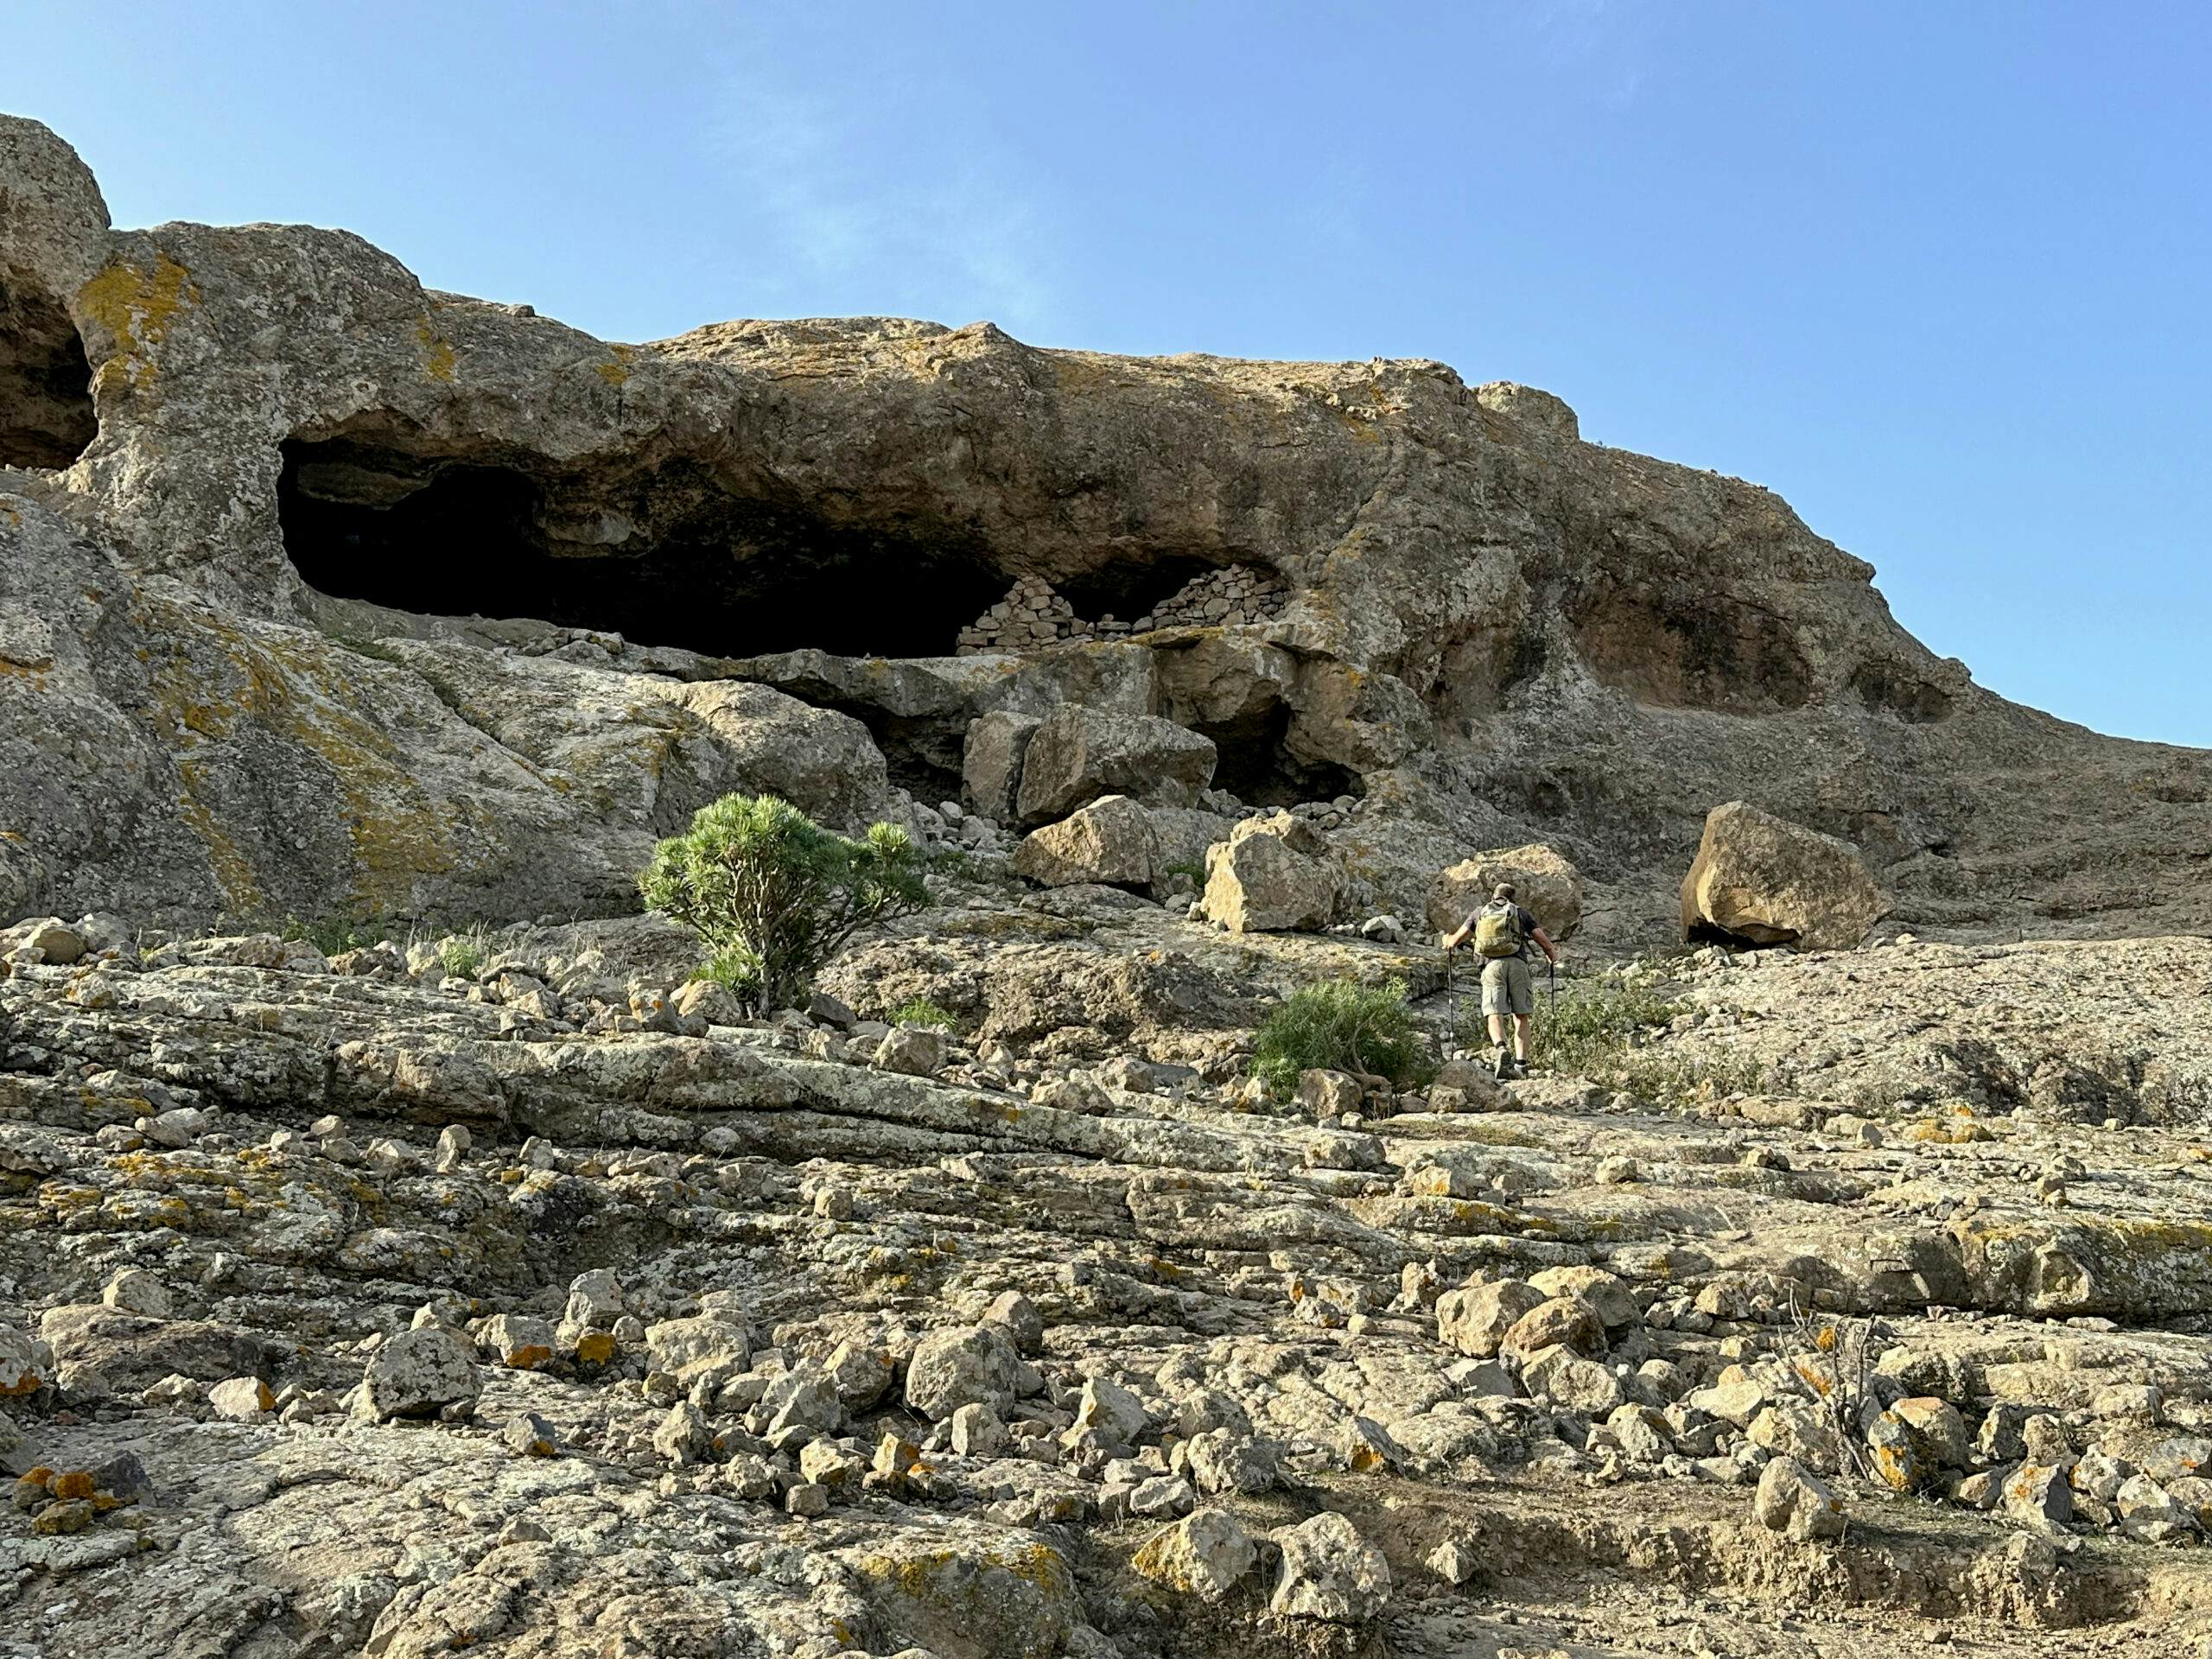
{"points": [[251, 671]]}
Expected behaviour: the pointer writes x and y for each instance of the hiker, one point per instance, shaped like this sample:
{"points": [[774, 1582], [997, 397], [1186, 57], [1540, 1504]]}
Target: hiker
{"points": [[1504, 931]]}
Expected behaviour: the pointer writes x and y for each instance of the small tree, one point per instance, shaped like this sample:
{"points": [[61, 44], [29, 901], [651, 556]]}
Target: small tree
{"points": [[774, 895]]}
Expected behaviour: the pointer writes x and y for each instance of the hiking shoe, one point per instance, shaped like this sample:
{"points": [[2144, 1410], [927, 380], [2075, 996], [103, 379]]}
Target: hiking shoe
{"points": [[1501, 1068]]}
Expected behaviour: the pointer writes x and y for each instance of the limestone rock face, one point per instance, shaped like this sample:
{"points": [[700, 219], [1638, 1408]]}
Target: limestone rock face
{"points": [[322, 592], [991, 762], [1077, 754], [1111, 841], [1773, 882], [1545, 883], [1273, 874]]}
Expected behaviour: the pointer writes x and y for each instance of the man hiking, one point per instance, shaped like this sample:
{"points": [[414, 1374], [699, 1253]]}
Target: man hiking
{"points": [[1502, 933]]}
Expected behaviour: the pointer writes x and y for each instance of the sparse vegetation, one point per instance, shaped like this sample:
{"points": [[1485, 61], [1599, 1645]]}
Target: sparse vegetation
{"points": [[1339, 1026], [921, 1012], [333, 934], [1605, 1029], [462, 955], [1593, 1026], [774, 895]]}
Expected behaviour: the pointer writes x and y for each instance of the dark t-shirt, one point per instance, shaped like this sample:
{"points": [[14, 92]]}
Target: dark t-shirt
{"points": [[1527, 931]]}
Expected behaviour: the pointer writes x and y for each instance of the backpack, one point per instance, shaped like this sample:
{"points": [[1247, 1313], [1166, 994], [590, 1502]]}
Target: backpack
{"points": [[1498, 931]]}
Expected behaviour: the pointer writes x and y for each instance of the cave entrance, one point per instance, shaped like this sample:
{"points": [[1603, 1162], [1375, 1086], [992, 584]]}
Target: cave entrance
{"points": [[667, 556], [1254, 763], [46, 383]]}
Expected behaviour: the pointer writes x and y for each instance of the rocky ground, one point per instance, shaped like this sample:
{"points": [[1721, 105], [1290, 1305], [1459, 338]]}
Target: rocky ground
{"points": [[361, 1304]]}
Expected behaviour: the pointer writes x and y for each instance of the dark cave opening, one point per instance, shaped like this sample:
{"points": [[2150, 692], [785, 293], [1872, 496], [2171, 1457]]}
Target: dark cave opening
{"points": [[1702, 933], [1254, 763], [665, 557], [1130, 589], [46, 416]]}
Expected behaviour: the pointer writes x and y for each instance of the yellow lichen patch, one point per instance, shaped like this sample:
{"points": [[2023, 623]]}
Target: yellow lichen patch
{"points": [[399, 833], [438, 355], [138, 307], [529, 1356], [616, 371], [595, 1347]]}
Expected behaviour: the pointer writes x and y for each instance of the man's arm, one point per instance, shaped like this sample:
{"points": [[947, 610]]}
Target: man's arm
{"points": [[1452, 941], [1543, 939]]}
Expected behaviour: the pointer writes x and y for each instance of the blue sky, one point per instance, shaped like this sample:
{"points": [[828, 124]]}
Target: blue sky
{"points": [[1937, 273]]}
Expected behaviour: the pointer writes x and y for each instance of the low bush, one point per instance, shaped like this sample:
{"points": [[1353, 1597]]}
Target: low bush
{"points": [[461, 955], [773, 895], [922, 1011], [1339, 1026], [335, 935], [1606, 1029]]}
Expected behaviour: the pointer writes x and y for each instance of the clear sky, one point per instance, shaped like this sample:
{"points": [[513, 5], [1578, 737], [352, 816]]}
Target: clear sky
{"points": [[1937, 272]]}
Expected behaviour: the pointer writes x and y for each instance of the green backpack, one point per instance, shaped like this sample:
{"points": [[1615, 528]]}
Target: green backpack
{"points": [[1498, 931]]}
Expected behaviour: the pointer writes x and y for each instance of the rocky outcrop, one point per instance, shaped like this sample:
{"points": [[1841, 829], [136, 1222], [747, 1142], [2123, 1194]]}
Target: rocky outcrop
{"points": [[1272, 873], [1762, 879], [1077, 754], [330, 593], [1545, 883]]}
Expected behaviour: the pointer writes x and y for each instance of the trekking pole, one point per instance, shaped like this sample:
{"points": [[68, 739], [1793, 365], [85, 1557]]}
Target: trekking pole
{"points": [[1451, 1003], [1551, 1024]]}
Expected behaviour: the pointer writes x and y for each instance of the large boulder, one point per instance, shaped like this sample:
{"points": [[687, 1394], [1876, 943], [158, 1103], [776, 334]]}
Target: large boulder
{"points": [[1771, 881], [1111, 841], [419, 1373], [1545, 883], [1273, 874], [990, 762], [967, 1365], [1329, 1572], [1077, 755]]}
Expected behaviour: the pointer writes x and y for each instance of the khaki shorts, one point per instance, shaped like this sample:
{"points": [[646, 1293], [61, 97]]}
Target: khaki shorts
{"points": [[1507, 986]]}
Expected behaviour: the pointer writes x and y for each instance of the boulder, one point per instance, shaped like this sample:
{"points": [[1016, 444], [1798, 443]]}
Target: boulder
{"points": [[241, 1399], [966, 1365], [990, 763], [1792, 1500], [1475, 1320], [1545, 884], [1273, 874], [1202, 1555], [518, 1341], [1077, 754], [701, 1346], [1329, 1572], [911, 1050], [1771, 881], [419, 1373], [1109, 841]]}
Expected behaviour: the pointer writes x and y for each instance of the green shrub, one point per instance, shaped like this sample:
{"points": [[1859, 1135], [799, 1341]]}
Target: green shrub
{"points": [[1605, 1029], [462, 954], [1592, 1026], [774, 895], [922, 1011], [334, 935], [1338, 1025]]}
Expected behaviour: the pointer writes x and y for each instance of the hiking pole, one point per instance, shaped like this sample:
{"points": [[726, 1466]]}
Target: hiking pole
{"points": [[1451, 1002], [1551, 1022]]}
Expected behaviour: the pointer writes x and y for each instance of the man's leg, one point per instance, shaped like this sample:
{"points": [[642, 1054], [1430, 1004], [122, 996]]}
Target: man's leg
{"points": [[1497, 1030], [1521, 1038]]}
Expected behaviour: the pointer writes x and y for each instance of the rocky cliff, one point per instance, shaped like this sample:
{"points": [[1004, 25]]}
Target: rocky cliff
{"points": [[505, 1288], [336, 594]]}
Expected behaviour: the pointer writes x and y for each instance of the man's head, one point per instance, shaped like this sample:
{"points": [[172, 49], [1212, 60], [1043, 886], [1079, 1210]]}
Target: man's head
{"points": [[1502, 890]]}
